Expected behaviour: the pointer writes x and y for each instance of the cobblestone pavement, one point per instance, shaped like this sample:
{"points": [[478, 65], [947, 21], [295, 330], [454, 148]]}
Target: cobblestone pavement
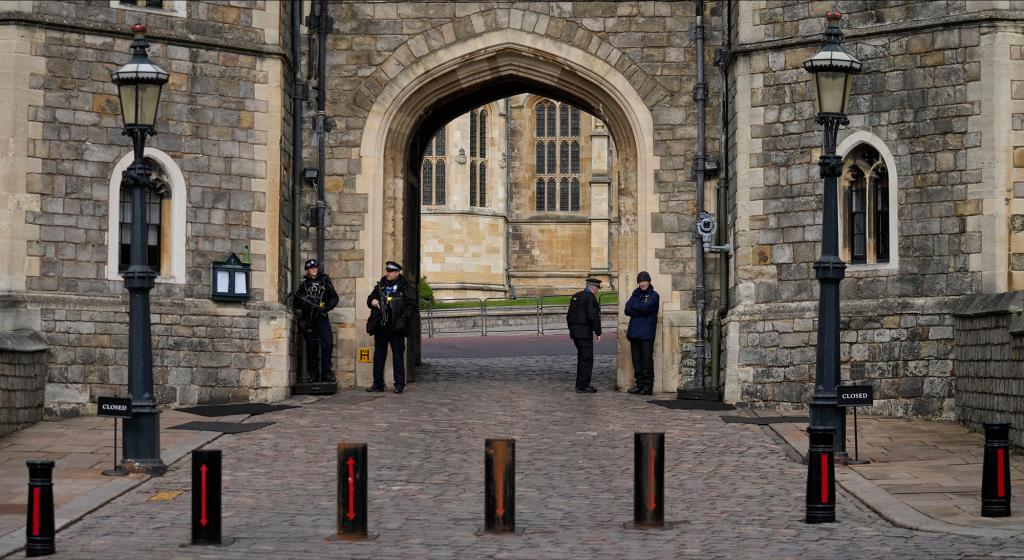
{"points": [[732, 491]]}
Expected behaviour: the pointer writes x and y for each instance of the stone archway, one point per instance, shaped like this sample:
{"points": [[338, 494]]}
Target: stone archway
{"points": [[420, 96]]}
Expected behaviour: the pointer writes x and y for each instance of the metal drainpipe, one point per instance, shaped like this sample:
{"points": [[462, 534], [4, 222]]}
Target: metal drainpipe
{"points": [[299, 94], [723, 60], [699, 293], [322, 124]]}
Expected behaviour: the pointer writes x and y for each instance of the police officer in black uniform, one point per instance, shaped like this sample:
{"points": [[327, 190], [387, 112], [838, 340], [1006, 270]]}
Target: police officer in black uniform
{"points": [[392, 304], [584, 319], [314, 299]]}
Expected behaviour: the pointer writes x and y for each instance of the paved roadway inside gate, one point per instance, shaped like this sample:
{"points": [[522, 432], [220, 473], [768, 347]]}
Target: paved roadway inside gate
{"points": [[731, 490]]}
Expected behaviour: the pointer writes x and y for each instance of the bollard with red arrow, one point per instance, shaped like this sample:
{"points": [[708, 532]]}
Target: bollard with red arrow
{"points": [[500, 486], [352, 496], [206, 497], [648, 479]]}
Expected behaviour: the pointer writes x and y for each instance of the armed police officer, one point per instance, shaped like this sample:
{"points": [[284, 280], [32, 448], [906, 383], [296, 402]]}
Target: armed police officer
{"points": [[314, 299], [584, 319], [392, 306]]}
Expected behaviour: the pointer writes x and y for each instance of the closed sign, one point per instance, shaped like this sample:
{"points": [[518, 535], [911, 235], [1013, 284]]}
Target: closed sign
{"points": [[855, 395], [113, 406]]}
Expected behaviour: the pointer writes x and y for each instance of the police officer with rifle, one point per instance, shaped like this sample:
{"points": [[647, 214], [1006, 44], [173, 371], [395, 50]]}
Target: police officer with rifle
{"points": [[315, 298]]}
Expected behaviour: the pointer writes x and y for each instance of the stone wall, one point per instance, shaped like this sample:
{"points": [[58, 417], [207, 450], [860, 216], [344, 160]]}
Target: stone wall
{"points": [[22, 378], [221, 129], [989, 362], [931, 95]]}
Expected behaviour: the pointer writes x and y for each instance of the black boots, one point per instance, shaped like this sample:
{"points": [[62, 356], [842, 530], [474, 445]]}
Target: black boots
{"points": [[642, 389]]}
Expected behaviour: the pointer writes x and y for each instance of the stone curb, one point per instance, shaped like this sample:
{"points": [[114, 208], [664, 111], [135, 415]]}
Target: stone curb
{"points": [[81, 506], [895, 511]]}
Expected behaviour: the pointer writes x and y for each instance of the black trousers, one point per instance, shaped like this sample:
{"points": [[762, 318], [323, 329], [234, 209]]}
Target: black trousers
{"points": [[584, 361], [380, 355], [319, 347], [643, 361]]}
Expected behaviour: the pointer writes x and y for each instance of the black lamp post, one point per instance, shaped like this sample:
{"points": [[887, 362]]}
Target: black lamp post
{"points": [[832, 69], [138, 86]]}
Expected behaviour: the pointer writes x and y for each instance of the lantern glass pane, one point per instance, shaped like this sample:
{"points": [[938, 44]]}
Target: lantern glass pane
{"points": [[127, 94], [831, 90], [149, 98]]}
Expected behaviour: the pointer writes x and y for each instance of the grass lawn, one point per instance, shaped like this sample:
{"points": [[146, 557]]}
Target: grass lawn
{"points": [[605, 299]]}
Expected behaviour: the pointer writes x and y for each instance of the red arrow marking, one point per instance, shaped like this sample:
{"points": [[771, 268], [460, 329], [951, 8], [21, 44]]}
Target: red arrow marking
{"points": [[653, 504], [824, 478], [351, 489], [35, 511], [202, 496], [1000, 474], [499, 482]]}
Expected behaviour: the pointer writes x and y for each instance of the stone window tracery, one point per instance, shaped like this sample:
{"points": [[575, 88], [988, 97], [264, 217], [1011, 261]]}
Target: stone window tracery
{"points": [[433, 172], [157, 205], [478, 157], [557, 156], [864, 206]]}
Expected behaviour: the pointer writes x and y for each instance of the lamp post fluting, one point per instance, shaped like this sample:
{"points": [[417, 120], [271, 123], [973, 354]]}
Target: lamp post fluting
{"points": [[139, 83], [831, 68]]}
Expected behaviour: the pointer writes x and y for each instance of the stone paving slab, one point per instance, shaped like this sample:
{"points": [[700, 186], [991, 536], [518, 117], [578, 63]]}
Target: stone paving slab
{"points": [[732, 490], [932, 468]]}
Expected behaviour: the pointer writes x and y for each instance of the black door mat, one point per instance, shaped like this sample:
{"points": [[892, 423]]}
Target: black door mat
{"points": [[233, 409], [223, 427], [765, 420], [684, 404]]}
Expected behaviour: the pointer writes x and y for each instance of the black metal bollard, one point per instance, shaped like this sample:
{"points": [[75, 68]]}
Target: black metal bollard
{"points": [[39, 529], [821, 480], [649, 479], [500, 486], [352, 498], [995, 480], [206, 496]]}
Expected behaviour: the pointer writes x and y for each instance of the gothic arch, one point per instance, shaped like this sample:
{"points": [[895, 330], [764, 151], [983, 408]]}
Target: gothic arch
{"points": [[177, 224], [856, 138], [413, 100]]}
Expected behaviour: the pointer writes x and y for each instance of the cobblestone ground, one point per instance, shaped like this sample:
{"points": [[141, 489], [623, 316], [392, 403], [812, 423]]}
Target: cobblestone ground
{"points": [[731, 490]]}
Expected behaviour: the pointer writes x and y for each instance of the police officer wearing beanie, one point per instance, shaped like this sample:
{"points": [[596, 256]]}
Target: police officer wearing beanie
{"points": [[642, 310], [392, 304], [314, 299], [584, 319]]}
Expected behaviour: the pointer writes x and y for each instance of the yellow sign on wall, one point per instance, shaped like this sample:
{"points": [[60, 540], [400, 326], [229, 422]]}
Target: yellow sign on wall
{"points": [[364, 355]]}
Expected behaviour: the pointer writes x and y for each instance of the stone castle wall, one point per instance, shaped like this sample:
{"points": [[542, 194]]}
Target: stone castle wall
{"points": [[932, 93], [221, 124], [988, 357]]}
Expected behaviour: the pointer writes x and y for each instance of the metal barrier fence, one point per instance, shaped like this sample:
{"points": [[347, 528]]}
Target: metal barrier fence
{"points": [[481, 316]]}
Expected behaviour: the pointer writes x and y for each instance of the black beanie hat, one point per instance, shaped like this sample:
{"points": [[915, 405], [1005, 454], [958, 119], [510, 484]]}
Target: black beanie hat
{"points": [[643, 277]]}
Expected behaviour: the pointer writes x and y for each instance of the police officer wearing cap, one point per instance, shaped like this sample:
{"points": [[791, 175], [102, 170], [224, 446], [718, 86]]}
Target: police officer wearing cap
{"points": [[642, 310], [314, 299], [392, 304], [584, 319]]}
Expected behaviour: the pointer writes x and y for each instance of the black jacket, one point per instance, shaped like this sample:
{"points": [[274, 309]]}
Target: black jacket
{"points": [[584, 315], [396, 314], [315, 298]]}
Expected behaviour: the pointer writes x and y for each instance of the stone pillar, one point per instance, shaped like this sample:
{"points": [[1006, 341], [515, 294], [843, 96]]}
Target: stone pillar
{"points": [[600, 193]]}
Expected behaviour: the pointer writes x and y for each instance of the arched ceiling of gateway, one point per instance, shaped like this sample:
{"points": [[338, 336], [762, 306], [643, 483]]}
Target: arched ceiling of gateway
{"points": [[434, 117]]}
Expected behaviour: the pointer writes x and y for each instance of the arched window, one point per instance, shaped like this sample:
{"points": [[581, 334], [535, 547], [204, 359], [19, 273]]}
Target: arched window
{"points": [[165, 219], [557, 156], [157, 206], [432, 175], [864, 200], [478, 157]]}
